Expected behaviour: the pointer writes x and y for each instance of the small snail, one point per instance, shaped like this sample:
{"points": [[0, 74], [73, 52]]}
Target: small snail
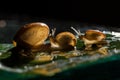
{"points": [[31, 36], [92, 37], [63, 40]]}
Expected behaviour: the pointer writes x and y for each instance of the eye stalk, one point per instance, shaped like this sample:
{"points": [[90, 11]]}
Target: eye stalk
{"points": [[77, 32], [52, 32]]}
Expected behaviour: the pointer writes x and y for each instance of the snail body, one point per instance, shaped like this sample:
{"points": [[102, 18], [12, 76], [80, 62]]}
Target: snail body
{"points": [[63, 41], [92, 37]]}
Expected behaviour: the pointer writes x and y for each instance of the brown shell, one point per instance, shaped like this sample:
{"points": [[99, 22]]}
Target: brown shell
{"points": [[32, 34], [94, 35], [65, 39]]}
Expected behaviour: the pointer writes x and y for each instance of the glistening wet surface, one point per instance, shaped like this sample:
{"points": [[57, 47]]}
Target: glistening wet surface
{"points": [[64, 61]]}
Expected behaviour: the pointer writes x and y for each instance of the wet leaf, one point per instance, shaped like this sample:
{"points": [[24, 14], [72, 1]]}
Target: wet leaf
{"points": [[43, 65]]}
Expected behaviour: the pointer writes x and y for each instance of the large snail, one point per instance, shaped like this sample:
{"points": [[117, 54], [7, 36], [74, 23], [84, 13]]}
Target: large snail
{"points": [[92, 37], [28, 40], [31, 36]]}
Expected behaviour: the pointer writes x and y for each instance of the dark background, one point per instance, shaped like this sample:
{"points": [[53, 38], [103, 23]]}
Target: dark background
{"points": [[91, 12], [57, 13]]}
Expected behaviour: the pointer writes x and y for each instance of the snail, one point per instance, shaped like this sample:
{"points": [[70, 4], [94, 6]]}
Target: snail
{"points": [[31, 36], [92, 37], [63, 41], [28, 40]]}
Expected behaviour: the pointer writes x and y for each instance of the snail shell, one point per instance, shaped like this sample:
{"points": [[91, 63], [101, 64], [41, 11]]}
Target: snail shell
{"points": [[66, 38], [94, 35], [63, 41], [31, 35]]}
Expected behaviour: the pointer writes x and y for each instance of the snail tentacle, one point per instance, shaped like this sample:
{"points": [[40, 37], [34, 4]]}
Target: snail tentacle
{"points": [[53, 32], [76, 31]]}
